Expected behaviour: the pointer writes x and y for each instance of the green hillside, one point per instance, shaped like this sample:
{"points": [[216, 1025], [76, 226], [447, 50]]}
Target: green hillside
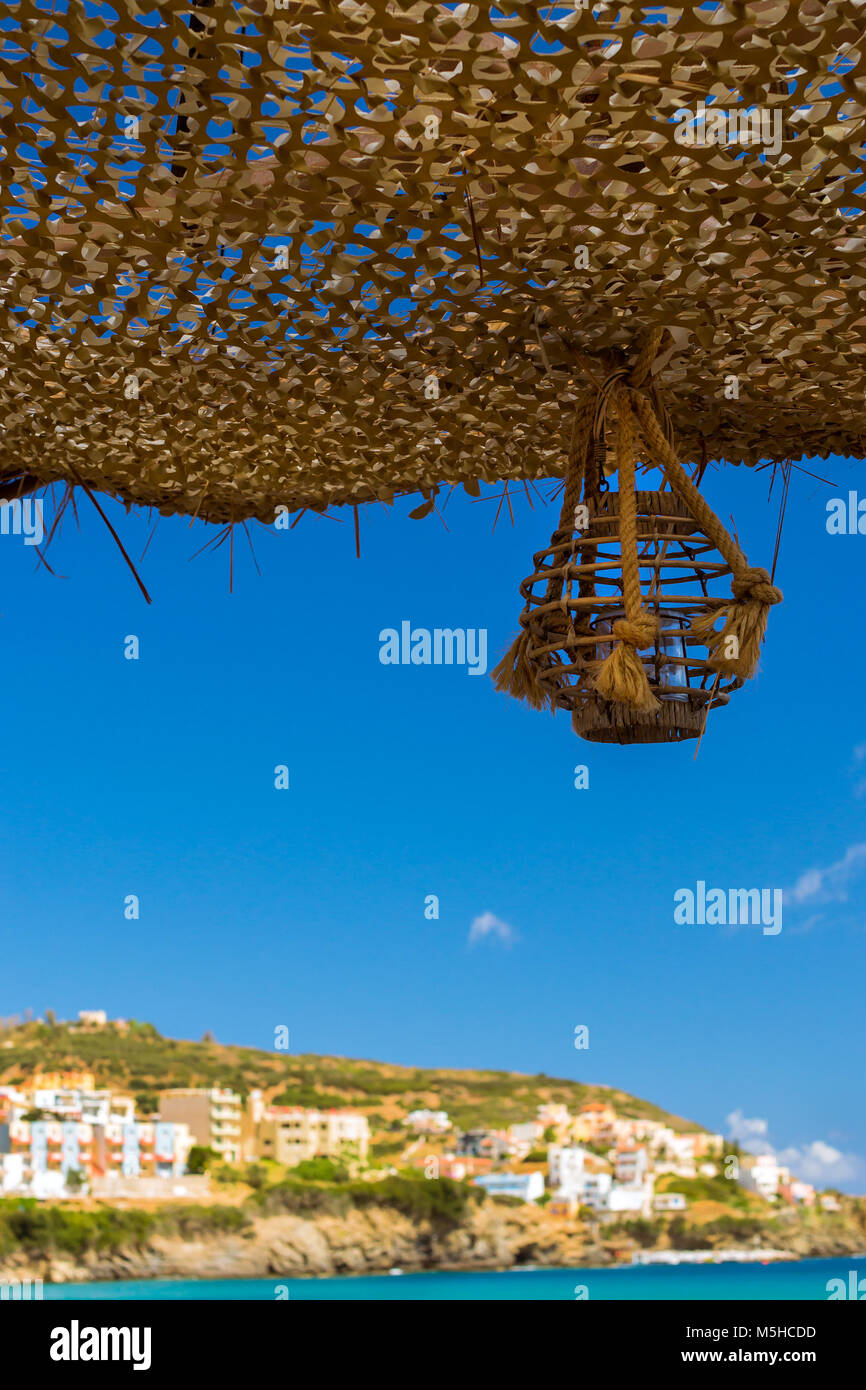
{"points": [[139, 1061]]}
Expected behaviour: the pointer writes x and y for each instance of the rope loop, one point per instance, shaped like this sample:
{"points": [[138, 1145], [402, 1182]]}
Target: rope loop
{"points": [[755, 585], [639, 631]]}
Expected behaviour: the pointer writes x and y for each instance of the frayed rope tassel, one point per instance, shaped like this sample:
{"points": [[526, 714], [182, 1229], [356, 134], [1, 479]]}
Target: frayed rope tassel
{"points": [[736, 648], [622, 676], [515, 674]]}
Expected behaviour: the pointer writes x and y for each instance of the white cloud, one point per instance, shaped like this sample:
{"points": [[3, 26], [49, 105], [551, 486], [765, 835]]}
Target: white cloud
{"points": [[828, 884], [743, 1130], [821, 1164], [817, 1162], [489, 927]]}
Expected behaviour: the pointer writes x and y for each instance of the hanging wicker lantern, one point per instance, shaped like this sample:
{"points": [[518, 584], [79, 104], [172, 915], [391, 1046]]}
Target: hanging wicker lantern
{"points": [[574, 600], [621, 616]]}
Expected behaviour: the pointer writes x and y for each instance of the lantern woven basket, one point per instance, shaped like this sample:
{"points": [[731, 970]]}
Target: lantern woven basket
{"points": [[576, 593], [620, 621]]}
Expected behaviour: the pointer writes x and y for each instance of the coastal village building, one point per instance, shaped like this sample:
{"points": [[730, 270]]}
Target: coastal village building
{"points": [[157, 1148], [214, 1117], [669, 1201], [483, 1143], [630, 1165], [595, 1123], [660, 1137], [450, 1166], [93, 1107], [565, 1169], [428, 1121], [555, 1117], [763, 1175], [290, 1134], [524, 1137], [62, 1081], [682, 1148], [38, 1156], [709, 1145], [595, 1190], [527, 1186], [799, 1193], [634, 1199]]}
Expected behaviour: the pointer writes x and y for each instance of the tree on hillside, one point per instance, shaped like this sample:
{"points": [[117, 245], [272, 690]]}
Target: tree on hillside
{"points": [[200, 1158]]}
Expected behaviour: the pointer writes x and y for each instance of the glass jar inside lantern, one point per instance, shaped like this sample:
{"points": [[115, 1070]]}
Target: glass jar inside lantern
{"points": [[664, 662]]}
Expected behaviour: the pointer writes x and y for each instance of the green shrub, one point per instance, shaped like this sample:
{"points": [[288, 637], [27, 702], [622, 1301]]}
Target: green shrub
{"points": [[320, 1170], [200, 1158], [704, 1189]]}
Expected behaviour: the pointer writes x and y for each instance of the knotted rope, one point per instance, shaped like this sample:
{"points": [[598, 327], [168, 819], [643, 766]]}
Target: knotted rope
{"points": [[622, 676], [736, 648]]}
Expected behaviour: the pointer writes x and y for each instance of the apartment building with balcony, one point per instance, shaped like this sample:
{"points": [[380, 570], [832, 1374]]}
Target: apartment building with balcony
{"points": [[214, 1117], [39, 1155], [291, 1134], [595, 1123], [565, 1169], [92, 1107], [630, 1165], [142, 1148]]}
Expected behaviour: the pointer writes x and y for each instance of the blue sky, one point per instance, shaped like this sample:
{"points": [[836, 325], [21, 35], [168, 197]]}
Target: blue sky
{"points": [[305, 907]]}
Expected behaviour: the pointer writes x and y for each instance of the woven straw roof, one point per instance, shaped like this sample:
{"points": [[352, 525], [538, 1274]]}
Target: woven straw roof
{"points": [[323, 206]]}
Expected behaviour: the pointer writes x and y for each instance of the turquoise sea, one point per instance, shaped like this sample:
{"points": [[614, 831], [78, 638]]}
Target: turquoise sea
{"points": [[796, 1280]]}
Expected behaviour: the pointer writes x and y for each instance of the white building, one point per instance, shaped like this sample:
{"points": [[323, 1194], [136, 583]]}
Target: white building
{"points": [[680, 1167], [669, 1201], [629, 1166], [554, 1117], [91, 1107], [661, 1137], [628, 1199], [66, 1102], [595, 1190], [428, 1121], [763, 1176], [12, 1175], [682, 1147], [565, 1169], [601, 1193], [102, 1108], [526, 1135], [527, 1186]]}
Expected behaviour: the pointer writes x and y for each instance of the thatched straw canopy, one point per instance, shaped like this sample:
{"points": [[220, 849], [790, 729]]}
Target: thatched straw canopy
{"points": [[334, 252]]}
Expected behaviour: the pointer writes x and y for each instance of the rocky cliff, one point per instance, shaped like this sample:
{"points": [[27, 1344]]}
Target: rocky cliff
{"points": [[377, 1239]]}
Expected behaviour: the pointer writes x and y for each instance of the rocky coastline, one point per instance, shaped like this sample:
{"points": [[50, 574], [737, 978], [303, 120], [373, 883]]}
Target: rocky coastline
{"points": [[374, 1240]]}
